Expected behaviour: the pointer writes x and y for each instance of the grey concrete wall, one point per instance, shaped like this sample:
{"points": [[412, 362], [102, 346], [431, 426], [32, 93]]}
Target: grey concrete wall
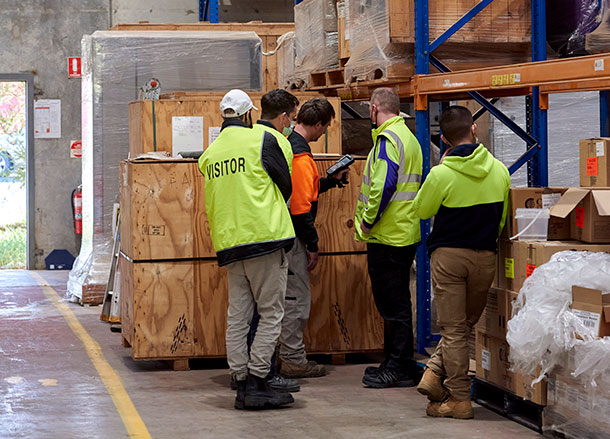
{"points": [[38, 36], [187, 11]]}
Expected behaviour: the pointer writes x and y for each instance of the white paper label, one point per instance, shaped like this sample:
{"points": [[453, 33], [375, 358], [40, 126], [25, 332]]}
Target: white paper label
{"points": [[213, 133], [549, 200], [517, 77], [599, 65], [486, 359], [589, 319], [599, 146], [187, 134], [341, 9], [47, 119]]}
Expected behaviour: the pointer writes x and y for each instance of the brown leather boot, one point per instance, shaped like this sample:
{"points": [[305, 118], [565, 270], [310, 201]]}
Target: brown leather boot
{"points": [[310, 369], [451, 408], [432, 386]]}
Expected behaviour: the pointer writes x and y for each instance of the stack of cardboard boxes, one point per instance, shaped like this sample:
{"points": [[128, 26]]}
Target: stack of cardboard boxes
{"points": [[580, 221]]}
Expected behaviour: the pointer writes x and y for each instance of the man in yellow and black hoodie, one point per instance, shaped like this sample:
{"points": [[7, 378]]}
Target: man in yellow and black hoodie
{"points": [[313, 119], [467, 193]]}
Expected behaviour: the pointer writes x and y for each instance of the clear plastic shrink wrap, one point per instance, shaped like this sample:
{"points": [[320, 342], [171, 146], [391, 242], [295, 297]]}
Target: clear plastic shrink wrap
{"points": [[115, 65], [316, 38], [598, 40], [286, 57], [543, 327], [382, 36], [569, 22]]}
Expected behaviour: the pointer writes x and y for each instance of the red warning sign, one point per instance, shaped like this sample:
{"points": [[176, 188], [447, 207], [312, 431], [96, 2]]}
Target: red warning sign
{"points": [[74, 67], [76, 149]]}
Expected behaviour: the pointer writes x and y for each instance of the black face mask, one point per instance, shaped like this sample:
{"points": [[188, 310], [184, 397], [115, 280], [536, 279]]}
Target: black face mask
{"points": [[374, 125]]}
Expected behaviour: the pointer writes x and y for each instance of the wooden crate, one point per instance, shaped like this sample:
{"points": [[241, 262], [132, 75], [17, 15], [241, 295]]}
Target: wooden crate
{"points": [[501, 21], [177, 309], [268, 33], [146, 136], [163, 210]]}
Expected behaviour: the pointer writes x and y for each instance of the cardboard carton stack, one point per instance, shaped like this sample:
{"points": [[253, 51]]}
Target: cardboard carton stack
{"points": [[580, 221]]}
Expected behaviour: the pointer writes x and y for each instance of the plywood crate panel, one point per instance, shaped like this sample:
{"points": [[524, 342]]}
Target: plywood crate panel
{"points": [[163, 211], [267, 32], [177, 309], [146, 135]]}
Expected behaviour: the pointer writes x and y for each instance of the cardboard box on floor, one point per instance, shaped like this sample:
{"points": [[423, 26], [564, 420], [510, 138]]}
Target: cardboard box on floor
{"points": [[517, 260], [589, 213], [531, 197], [594, 163], [493, 366], [593, 309]]}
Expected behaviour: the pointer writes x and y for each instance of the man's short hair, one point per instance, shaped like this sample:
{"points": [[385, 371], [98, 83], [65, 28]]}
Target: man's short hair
{"points": [[277, 102], [386, 99], [316, 110], [456, 122]]}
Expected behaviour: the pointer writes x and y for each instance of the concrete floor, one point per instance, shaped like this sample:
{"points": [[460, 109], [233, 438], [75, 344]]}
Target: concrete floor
{"points": [[50, 388]]}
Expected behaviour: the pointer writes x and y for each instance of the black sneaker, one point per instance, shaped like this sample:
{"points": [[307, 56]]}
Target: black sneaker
{"points": [[374, 370], [258, 395], [388, 378]]}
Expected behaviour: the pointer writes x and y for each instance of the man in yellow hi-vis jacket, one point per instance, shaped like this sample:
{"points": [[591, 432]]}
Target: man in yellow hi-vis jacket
{"points": [[385, 220]]}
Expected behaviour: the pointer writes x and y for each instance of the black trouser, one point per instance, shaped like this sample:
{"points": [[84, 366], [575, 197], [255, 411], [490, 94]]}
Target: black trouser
{"points": [[389, 270]]}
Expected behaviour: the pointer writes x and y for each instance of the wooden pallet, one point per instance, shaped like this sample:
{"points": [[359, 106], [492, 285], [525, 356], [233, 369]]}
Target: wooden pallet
{"points": [[507, 404], [333, 78]]}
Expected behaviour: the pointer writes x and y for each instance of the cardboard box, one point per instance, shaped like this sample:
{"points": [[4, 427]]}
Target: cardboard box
{"points": [[594, 164], [493, 366], [593, 309], [494, 317], [517, 260], [530, 197], [589, 212]]}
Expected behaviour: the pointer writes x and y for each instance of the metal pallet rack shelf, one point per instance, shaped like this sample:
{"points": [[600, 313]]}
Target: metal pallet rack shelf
{"points": [[534, 80]]}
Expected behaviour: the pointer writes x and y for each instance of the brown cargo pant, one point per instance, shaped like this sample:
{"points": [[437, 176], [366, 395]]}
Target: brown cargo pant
{"points": [[261, 281], [461, 279]]}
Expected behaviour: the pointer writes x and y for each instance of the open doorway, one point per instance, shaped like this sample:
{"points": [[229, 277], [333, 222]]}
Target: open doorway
{"points": [[15, 172]]}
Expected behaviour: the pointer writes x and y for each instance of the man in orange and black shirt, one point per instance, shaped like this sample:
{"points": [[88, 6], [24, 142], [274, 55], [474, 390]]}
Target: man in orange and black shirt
{"points": [[313, 119]]}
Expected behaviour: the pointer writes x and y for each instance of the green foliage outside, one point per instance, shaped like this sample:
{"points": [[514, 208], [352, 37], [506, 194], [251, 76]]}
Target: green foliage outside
{"points": [[13, 246]]}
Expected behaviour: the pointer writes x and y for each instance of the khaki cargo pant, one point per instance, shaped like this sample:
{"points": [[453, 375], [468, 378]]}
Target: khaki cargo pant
{"points": [[260, 281], [297, 307], [461, 279]]}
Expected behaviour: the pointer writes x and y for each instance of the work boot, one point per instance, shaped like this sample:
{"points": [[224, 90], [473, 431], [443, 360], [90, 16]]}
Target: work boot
{"points": [[450, 408], [281, 384], [388, 378], [277, 383], [258, 395], [311, 369], [431, 386], [240, 386]]}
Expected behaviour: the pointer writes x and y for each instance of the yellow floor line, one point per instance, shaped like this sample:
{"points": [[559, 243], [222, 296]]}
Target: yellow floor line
{"points": [[133, 423]]}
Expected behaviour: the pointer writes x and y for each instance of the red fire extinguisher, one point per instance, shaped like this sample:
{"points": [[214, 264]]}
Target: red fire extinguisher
{"points": [[77, 209]]}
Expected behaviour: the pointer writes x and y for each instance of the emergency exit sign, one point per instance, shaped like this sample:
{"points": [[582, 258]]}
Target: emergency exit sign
{"points": [[74, 67]]}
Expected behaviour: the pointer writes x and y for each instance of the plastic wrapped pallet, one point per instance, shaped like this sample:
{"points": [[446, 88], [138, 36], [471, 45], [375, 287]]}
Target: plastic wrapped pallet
{"points": [[316, 40], [286, 57], [116, 64], [543, 328], [382, 36], [598, 41], [569, 22], [577, 409]]}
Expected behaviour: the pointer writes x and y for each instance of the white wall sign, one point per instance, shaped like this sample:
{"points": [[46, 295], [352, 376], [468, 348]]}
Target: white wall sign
{"points": [[47, 119]]}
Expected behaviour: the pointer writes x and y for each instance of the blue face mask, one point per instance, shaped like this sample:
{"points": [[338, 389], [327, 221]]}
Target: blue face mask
{"points": [[288, 131]]}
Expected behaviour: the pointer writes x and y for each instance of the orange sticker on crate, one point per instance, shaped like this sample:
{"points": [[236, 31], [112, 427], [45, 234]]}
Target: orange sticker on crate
{"points": [[592, 169], [580, 217], [529, 269]]}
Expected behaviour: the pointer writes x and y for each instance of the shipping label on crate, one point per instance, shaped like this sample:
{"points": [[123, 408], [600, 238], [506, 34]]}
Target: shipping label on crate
{"points": [[187, 134], [599, 149], [592, 168], [580, 217], [486, 360], [213, 133], [549, 200], [529, 269]]}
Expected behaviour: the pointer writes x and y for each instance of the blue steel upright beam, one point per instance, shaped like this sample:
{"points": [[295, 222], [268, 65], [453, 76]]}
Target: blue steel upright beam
{"points": [[539, 165], [604, 113], [422, 128]]}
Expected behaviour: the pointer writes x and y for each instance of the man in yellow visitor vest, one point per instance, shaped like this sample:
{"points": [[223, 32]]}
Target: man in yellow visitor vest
{"points": [[247, 185], [385, 220]]}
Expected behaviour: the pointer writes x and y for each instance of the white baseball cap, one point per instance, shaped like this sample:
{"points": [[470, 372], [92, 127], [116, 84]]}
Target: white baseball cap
{"points": [[236, 103]]}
